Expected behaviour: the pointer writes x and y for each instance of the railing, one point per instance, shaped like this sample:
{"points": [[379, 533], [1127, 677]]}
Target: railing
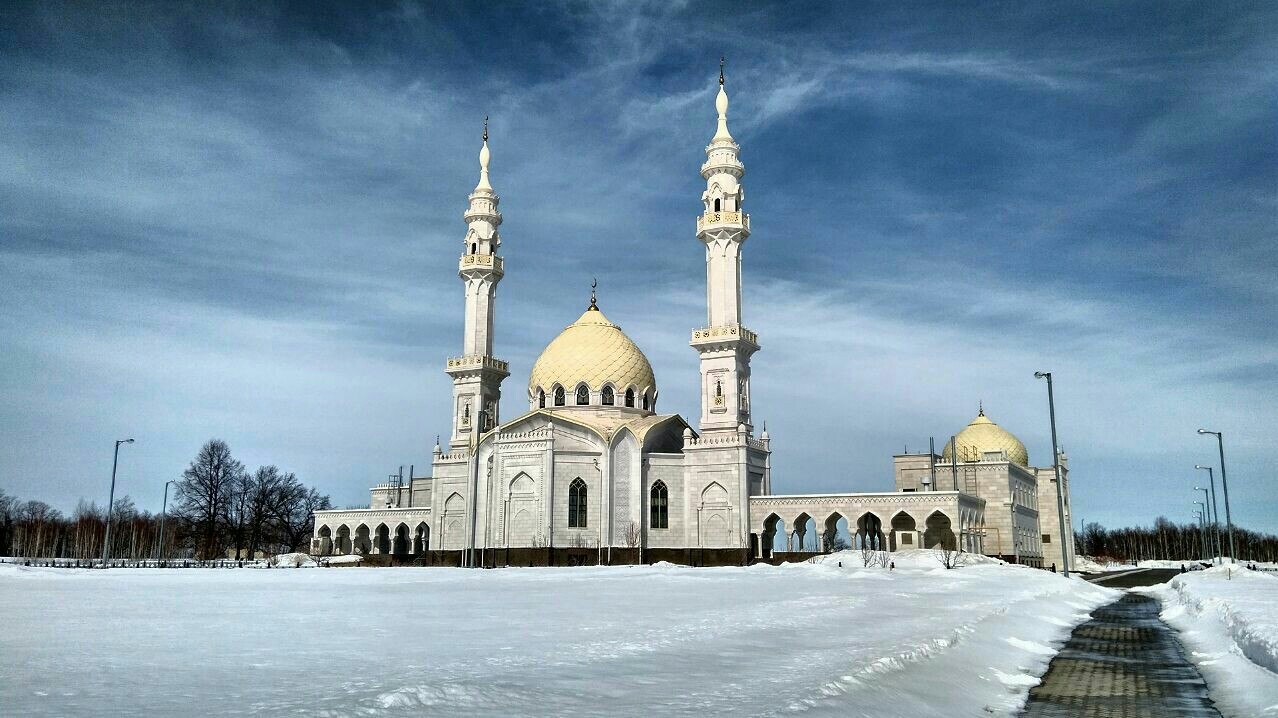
{"points": [[481, 260], [724, 330], [713, 218], [477, 361]]}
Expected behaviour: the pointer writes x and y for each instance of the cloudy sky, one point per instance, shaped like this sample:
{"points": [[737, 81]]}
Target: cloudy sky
{"points": [[243, 221]]}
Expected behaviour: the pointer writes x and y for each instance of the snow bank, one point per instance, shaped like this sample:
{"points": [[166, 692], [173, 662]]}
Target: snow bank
{"points": [[290, 560], [908, 559], [1228, 619], [809, 639]]}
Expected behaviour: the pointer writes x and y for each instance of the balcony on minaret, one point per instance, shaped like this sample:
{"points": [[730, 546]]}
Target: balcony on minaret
{"points": [[474, 363], [725, 334], [710, 220], [481, 262]]}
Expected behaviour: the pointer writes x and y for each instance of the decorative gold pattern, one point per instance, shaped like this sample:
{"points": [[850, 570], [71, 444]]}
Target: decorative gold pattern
{"points": [[983, 435], [481, 260], [477, 361], [595, 351], [725, 330], [713, 218]]}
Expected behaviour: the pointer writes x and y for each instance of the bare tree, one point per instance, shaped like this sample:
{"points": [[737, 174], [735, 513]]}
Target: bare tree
{"points": [[204, 493], [632, 534], [949, 557]]}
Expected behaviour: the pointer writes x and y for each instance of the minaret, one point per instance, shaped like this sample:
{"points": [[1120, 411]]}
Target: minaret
{"points": [[725, 345], [477, 376]]}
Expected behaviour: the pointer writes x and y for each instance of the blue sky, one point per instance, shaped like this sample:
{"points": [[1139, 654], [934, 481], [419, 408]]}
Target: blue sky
{"points": [[243, 221]]}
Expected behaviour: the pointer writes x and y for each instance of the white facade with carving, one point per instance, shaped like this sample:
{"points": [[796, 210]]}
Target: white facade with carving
{"points": [[593, 464]]}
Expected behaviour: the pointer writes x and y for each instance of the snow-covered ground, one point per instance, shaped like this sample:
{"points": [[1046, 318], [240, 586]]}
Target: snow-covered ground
{"points": [[809, 639], [1228, 620]]}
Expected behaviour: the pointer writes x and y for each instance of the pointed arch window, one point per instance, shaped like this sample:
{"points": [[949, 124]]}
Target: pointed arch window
{"points": [[474, 248], [659, 506], [716, 204], [630, 398], [606, 396], [559, 396], [645, 401], [541, 398], [577, 504], [583, 395]]}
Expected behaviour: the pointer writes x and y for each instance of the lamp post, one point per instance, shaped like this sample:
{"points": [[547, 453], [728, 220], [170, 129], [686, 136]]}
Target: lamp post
{"points": [[115, 462], [1207, 509], [1215, 508], [599, 516], [1224, 485], [1201, 541], [1056, 465], [164, 511]]}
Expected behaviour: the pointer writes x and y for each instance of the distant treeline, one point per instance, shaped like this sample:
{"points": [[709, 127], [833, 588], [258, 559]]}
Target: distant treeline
{"points": [[217, 506], [1170, 541]]}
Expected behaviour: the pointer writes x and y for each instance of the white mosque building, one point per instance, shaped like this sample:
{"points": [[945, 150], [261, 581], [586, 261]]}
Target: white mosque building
{"points": [[593, 472]]}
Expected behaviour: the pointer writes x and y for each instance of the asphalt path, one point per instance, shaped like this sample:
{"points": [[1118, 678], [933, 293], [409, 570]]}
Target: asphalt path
{"points": [[1123, 663]]}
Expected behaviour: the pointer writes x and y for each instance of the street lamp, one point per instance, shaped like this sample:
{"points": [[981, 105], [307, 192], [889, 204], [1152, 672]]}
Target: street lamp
{"points": [[599, 516], [1202, 544], [1224, 484], [1215, 508], [106, 545], [1056, 465], [159, 552], [1207, 508]]}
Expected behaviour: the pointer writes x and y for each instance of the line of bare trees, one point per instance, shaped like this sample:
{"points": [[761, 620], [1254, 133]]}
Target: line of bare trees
{"points": [[219, 509], [1170, 541]]}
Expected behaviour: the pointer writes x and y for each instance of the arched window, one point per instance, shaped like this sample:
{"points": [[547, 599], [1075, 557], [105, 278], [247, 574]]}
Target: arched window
{"points": [[645, 401], [559, 396], [630, 398], [716, 204], [577, 504], [474, 247], [541, 398], [583, 395], [659, 506], [605, 396]]}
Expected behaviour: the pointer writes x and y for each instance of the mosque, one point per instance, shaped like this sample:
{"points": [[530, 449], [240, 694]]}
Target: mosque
{"points": [[594, 473]]}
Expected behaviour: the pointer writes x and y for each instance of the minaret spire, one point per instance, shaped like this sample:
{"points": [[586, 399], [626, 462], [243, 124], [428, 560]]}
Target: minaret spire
{"points": [[484, 156], [721, 104]]}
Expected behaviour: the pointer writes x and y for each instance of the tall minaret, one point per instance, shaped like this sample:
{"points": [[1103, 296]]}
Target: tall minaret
{"points": [[725, 345], [477, 376]]}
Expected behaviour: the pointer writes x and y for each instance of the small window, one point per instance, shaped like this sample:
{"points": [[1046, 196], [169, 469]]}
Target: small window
{"points": [[474, 248], [605, 396], [716, 205], [645, 401], [559, 396], [907, 539], [659, 506], [577, 504], [583, 395], [630, 398], [1047, 538], [541, 399]]}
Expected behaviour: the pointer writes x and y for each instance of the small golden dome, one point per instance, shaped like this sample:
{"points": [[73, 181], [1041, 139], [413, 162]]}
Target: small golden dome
{"points": [[595, 351], [983, 435]]}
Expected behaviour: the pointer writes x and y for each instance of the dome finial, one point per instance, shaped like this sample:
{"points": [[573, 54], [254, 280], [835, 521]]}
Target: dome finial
{"points": [[722, 59], [484, 156], [721, 105], [593, 284], [980, 405]]}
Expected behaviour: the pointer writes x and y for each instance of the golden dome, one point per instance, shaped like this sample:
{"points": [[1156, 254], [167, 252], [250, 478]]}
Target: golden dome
{"points": [[595, 351], [983, 435]]}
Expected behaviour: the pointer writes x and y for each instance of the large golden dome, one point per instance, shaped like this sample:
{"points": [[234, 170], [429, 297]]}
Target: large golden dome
{"points": [[595, 351], [983, 435]]}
